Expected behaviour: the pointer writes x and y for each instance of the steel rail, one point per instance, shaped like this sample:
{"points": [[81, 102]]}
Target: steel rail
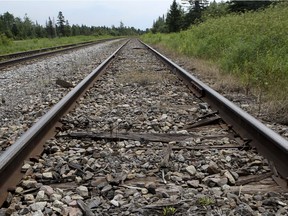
{"points": [[267, 142], [31, 142], [45, 52], [30, 52]]}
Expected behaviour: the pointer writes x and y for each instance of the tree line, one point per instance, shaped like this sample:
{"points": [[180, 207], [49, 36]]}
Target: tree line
{"points": [[192, 12], [18, 29]]}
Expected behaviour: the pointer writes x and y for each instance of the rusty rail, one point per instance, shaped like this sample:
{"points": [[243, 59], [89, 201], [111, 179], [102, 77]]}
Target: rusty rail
{"points": [[268, 143]]}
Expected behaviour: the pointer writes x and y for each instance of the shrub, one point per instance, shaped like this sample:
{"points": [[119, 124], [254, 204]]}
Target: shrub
{"points": [[4, 40]]}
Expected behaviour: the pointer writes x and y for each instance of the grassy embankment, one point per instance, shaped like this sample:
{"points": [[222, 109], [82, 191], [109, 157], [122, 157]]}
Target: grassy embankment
{"points": [[253, 47], [32, 44]]}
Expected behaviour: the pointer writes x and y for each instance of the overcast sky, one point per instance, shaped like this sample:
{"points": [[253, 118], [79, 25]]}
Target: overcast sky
{"points": [[138, 13]]}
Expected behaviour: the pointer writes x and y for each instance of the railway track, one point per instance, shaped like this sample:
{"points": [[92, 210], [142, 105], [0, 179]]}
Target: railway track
{"points": [[15, 58], [139, 143], [28, 91]]}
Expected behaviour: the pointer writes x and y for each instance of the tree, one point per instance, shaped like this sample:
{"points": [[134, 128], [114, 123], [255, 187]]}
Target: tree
{"points": [[15, 30], [27, 28], [159, 25], [121, 28], [195, 9], [50, 29], [84, 30], [246, 5], [7, 20], [196, 4], [75, 30], [216, 10], [67, 29], [174, 17], [40, 31], [61, 24]]}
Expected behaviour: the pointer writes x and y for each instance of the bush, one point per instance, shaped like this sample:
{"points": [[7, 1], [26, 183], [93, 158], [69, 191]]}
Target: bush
{"points": [[4, 40]]}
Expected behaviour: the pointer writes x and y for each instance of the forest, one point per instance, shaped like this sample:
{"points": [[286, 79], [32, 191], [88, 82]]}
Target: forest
{"points": [[15, 28]]}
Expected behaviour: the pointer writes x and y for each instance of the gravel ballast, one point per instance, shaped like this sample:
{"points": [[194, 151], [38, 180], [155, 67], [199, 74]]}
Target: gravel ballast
{"points": [[194, 171], [28, 91]]}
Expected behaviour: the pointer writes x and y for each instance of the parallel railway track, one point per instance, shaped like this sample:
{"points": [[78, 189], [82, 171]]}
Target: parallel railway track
{"points": [[156, 146], [15, 58]]}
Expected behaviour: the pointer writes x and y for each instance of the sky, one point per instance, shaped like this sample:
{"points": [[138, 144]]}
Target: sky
{"points": [[139, 14]]}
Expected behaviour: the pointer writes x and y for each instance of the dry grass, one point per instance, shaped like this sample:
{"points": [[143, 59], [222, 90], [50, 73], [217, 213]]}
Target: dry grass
{"points": [[209, 73], [275, 111]]}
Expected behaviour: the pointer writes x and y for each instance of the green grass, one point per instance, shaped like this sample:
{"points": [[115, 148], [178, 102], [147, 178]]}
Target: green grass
{"points": [[205, 201], [169, 211], [251, 46], [33, 44]]}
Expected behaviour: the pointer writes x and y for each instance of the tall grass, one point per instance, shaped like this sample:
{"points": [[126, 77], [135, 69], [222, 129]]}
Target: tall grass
{"points": [[32, 44], [253, 46]]}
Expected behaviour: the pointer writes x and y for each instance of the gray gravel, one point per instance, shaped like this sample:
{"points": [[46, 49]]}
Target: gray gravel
{"points": [[29, 91], [129, 177]]}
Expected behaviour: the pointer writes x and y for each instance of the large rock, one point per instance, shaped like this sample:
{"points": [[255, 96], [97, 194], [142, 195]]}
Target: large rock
{"points": [[40, 195], [82, 191], [230, 178], [47, 189], [213, 168], [191, 170], [99, 182], [193, 183], [38, 206], [29, 184]]}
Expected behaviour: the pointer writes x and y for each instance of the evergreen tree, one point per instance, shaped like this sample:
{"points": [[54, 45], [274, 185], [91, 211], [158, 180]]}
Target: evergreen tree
{"points": [[246, 5], [195, 10], [122, 28], [159, 25], [84, 30], [50, 29], [39, 31], [7, 20], [75, 30], [196, 4], [67, 29], [61, 24], [15, 30], [27, 30], [174, 17]]}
